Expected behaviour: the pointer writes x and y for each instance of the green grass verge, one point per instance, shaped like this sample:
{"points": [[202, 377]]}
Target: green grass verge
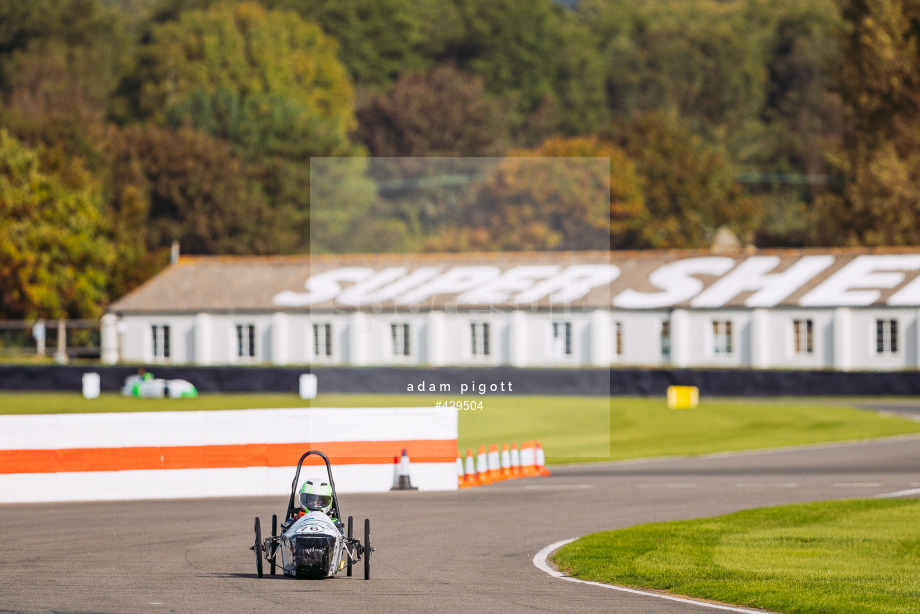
{"points": [[74, 403], [833, 556], [572, 429], [579, 429]]}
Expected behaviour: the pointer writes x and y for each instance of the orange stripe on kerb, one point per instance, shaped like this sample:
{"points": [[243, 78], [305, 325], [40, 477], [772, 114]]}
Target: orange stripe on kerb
{"points": [[224, 457]]}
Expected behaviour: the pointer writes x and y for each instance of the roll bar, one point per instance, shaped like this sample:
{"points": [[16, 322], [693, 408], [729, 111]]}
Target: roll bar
{"points": [[292, 510]]}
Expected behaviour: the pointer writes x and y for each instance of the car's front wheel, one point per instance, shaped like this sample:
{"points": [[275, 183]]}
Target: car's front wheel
{"points": [[257, 547]]}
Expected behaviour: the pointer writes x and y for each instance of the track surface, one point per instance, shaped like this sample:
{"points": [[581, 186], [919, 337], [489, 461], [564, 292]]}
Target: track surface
{"points": [[467, 551]]}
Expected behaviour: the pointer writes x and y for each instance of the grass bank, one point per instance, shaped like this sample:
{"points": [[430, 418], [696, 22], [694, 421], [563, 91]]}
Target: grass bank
{"points": [[834, 556], [572, 429]]}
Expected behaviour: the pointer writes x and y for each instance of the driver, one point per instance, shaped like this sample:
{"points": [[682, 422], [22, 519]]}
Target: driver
{"points": [[316, 498]]}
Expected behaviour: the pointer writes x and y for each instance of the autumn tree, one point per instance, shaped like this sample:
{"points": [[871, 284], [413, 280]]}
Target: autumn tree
{"points": [[877, 200], [198, 192], [265, 81], [568, 194], [54, 247], [752, 78], [439, 113], [689, 186]]}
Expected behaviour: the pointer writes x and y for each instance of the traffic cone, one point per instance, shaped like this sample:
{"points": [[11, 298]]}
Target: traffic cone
{"points": [[469, 469], [461, 475], [495, 468], [515, 460], [506, 462], [404, 482], [528, 458], [541, 461], [482, 467]]}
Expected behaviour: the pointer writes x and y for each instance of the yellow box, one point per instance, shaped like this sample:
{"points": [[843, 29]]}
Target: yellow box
{"points": [[683, 397]]}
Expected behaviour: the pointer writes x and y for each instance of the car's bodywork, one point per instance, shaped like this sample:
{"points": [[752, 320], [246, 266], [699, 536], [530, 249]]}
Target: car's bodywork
{"points": [[312, 547]]}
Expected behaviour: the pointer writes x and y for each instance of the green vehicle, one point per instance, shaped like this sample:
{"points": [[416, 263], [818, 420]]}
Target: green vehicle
{"points": [[149, 387]]}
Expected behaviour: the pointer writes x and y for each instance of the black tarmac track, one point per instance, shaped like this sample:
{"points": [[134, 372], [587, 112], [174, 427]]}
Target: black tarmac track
{"points": [[466, 552]]}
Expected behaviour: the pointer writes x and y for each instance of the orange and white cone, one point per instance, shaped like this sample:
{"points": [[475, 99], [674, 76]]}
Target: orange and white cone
{"points": [[528, 460], [541, 461], [470, 479], [461, 475], [404, 481], [506, 462], [495, 467], [482, 466], [515, 460]]}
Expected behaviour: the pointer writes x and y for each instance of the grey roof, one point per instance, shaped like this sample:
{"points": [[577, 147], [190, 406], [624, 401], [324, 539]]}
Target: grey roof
{"points": [[577, 280]]}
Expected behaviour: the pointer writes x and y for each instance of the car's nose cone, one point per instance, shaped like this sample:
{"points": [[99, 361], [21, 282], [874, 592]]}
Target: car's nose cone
{"points": [[312, 554]]}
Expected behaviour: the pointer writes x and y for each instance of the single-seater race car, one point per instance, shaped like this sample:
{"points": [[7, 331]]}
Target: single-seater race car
{"points": [[313, 544], [146, 386]]}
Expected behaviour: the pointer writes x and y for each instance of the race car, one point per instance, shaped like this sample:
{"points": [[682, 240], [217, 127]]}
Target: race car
{"points": [[146, 386], [312, 545]]}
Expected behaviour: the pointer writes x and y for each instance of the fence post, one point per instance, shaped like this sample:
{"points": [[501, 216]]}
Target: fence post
{"points": [[38, 333], [109, 339], [61, 355]]}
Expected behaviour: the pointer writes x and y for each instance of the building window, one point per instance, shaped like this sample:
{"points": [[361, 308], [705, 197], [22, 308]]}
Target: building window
{"points": [[160, 341], [666, 339], [480, 338], [562, 339], [245, 340], [322, 340], [803, 336], [399, 332], [886, 337], [619, 338], [721, 337]]}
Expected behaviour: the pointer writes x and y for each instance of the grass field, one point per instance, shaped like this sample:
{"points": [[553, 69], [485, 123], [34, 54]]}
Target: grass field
{"points": [[572, 429], [835, 556]]}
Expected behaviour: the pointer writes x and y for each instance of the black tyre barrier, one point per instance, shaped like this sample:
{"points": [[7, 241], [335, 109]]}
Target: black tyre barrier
{"points": [[450, 381]]}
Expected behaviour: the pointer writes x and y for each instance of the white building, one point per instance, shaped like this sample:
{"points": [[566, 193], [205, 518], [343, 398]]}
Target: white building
{"points": [[808, 309]]}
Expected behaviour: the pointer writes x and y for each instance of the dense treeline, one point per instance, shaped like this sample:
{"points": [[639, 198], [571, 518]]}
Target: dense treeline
{"points": [[128, 124]]}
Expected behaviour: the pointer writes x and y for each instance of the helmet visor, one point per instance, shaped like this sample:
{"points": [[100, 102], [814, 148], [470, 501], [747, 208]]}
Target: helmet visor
{"points": [[315, 502]]}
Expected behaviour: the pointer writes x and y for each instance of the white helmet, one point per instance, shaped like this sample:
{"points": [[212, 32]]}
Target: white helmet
{"points": [[316, 497]]}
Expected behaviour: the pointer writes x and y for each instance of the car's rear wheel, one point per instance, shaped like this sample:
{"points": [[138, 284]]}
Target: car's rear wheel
{"points": [[367, 549], [257, 547], [348, 555], [274, 534]]}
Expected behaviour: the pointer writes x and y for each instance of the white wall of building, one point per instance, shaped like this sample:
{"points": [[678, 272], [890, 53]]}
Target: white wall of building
{"points": [[641, 342], [863, 333], [840, 338]]}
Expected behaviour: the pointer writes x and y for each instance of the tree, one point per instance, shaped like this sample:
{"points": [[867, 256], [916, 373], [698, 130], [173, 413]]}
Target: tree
{"points": [[54, 249], [879, 79], [568, 194], [530, 53], [800, 118], [690, 188], [876, 201], [439, 113], [199, 193], [59, 64], [879, 202], [342, 195], [800, 111], [247, 73], [378, 39], [694, 58], [73, 23]]}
